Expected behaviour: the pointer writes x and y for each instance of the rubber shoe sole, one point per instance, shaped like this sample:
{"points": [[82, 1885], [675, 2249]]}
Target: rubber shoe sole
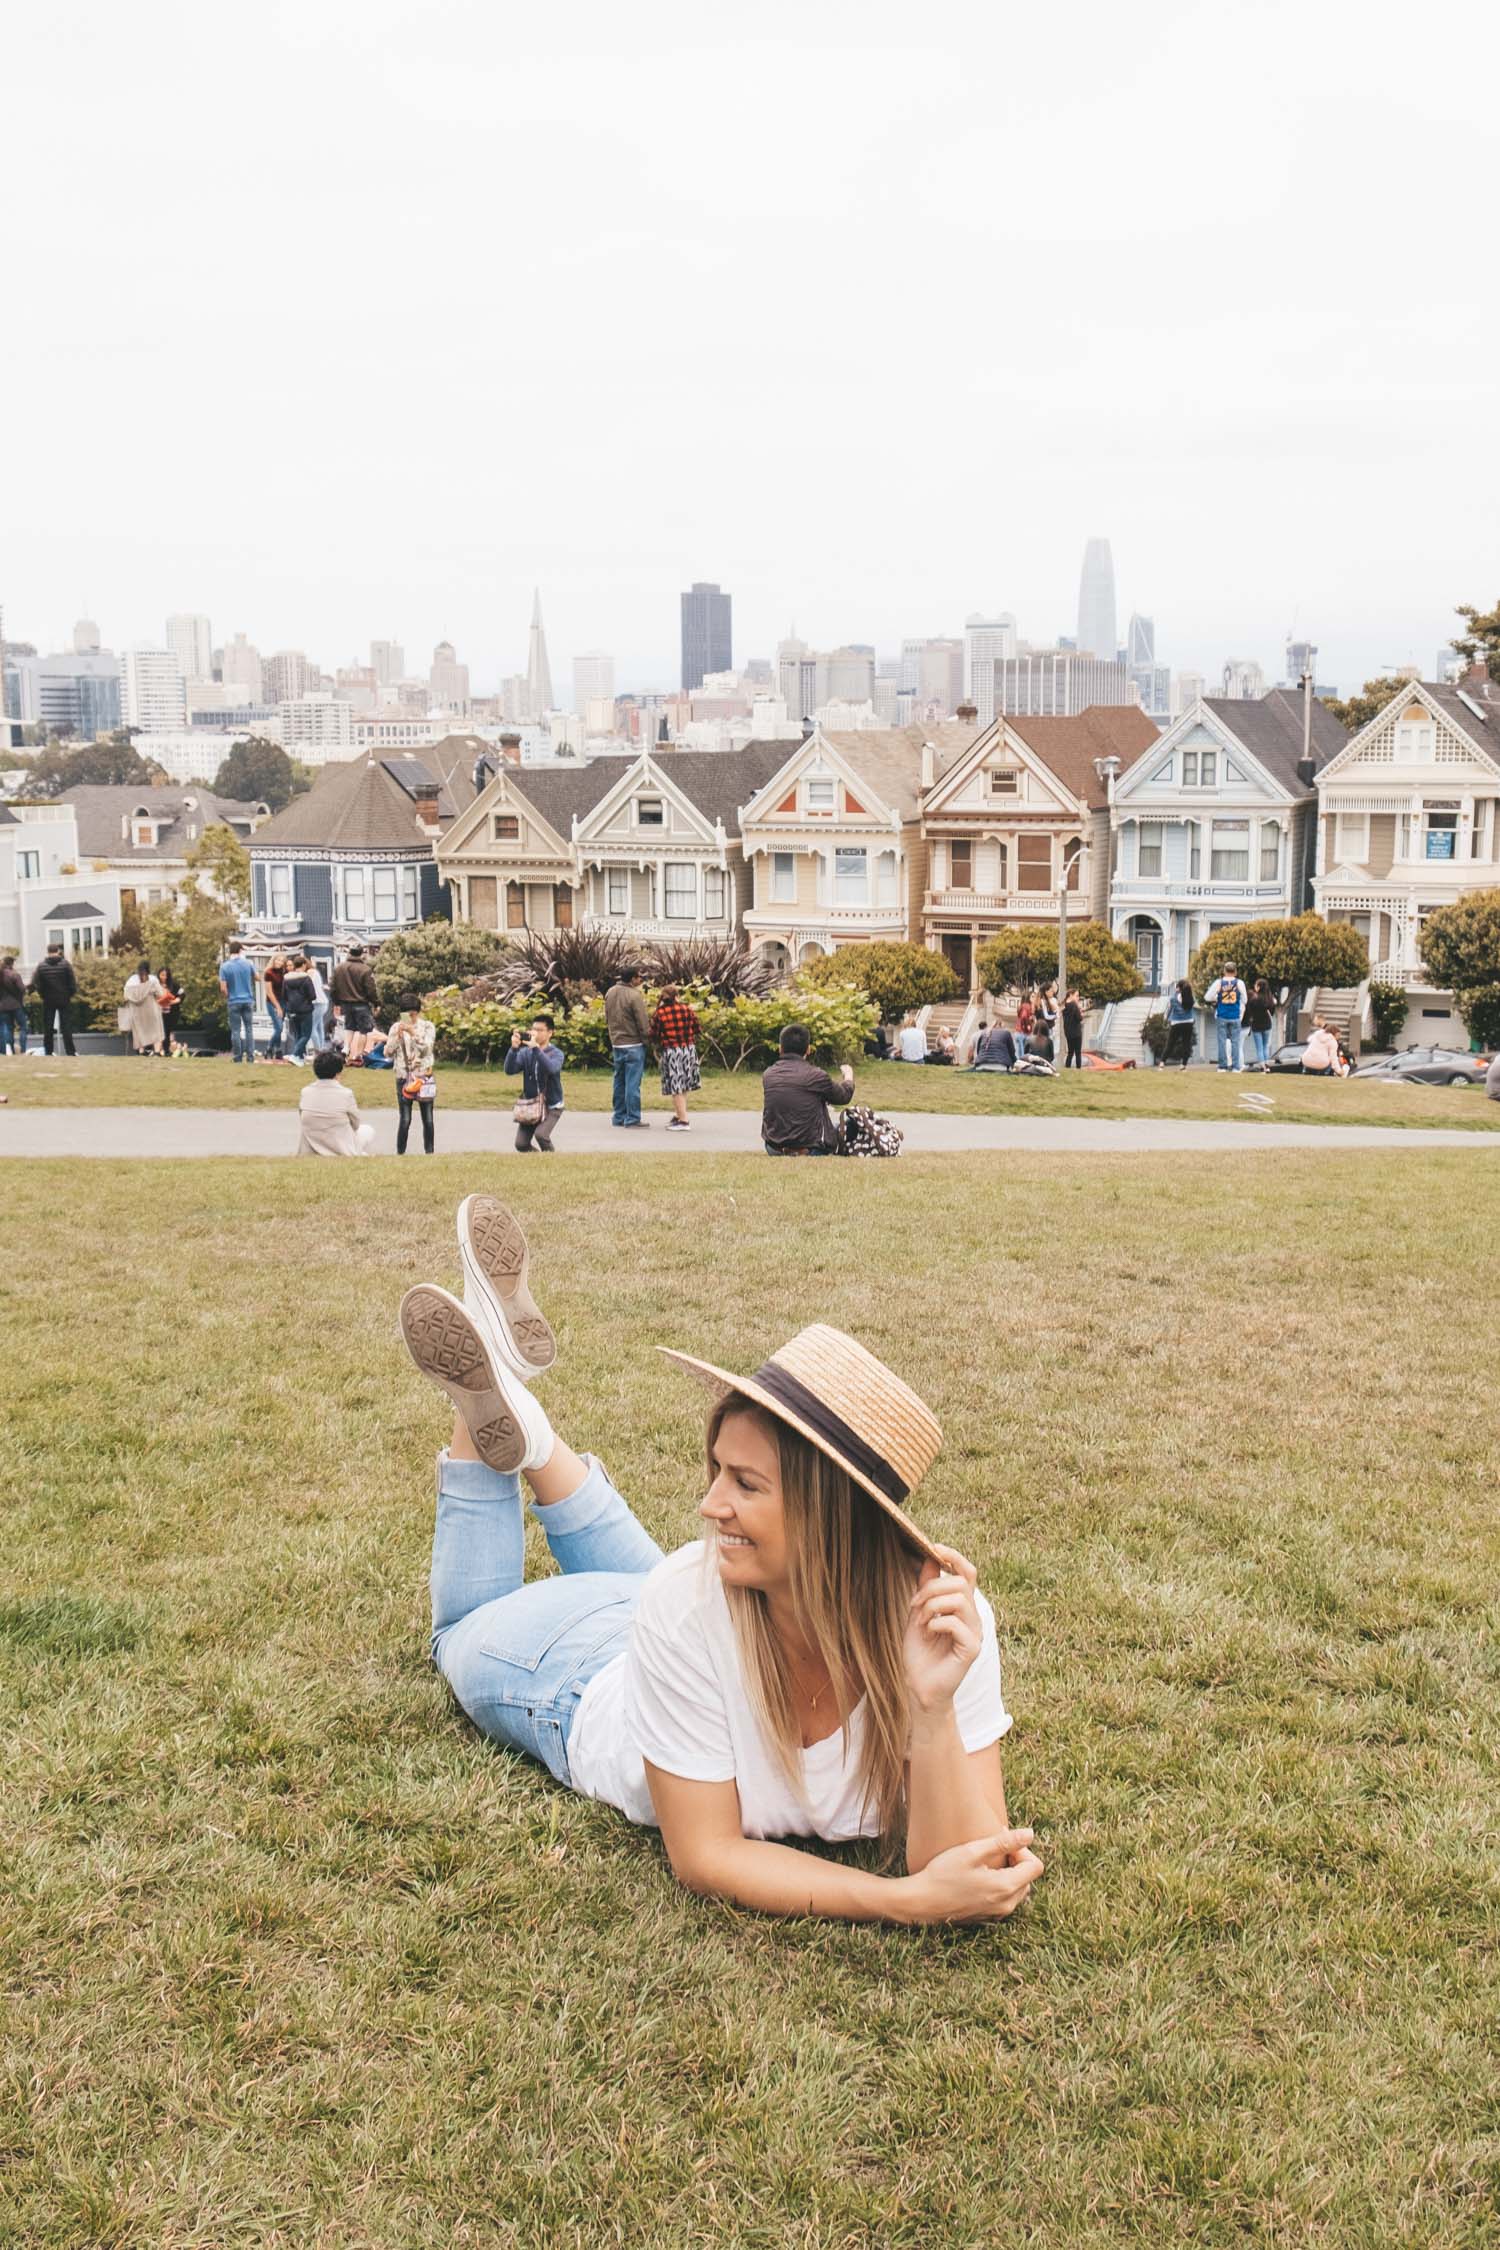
{"points": [[449, 1350], [495, 1258]]}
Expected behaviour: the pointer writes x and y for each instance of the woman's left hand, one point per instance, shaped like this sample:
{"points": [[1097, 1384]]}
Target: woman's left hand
{"points": [[943, 1631]]}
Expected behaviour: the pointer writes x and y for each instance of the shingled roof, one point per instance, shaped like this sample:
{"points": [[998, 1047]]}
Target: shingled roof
{"points": [[367, 803], [1482, 724], [560, 792], [1271, 730], [102, 809], [1070, 746], [718, 782]]}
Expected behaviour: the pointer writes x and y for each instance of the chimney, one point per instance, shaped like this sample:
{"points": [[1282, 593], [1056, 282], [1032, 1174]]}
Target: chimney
{"points": [[1306, 770], [929, 767], [425, 798], [510, 749], [968, 713]]}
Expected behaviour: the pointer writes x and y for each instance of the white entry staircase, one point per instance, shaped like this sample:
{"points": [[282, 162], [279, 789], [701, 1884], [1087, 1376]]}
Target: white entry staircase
{"points": [[1120, 1026], [1342, 1008], [958, 1016]]}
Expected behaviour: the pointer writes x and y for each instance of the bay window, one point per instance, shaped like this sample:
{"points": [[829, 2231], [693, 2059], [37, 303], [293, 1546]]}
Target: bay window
{"points": [[885, 879], [408, 894], [383, 889], [1441, 841], [515, 907], [1033, 863], [279, 885], [1270, 852], [714, 907], [1229, 858], [851, 880], [682, 891], [617, 890], [783, 875], [1148, 850], [961, 864], [355, 902]]}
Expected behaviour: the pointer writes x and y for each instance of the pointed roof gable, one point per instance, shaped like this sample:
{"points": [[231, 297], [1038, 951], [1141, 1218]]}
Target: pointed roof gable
{"points": [[1068, 747], [1270, 728], [1474, 717]]}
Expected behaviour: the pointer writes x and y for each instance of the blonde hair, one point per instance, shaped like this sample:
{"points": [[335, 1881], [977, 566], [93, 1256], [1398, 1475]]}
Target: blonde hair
{"points": [[852, 1576]]}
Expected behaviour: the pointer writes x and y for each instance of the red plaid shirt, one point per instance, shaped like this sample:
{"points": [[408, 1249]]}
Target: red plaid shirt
{"points": [[674, 1026]]}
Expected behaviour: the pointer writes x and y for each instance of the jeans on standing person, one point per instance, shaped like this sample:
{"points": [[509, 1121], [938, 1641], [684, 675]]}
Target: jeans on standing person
{"points": [[319, 1039], [12, 1034], [279, 1019], [405, 1105], [1228, 1029], [299, 1031], [1260, 1047], [62, 1018], [242, 1030], [519, 1657], [630, 1069]]}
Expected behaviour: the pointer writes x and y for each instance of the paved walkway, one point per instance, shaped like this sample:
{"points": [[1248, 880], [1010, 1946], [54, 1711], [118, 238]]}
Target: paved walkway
{"points": [[227, 1132]]}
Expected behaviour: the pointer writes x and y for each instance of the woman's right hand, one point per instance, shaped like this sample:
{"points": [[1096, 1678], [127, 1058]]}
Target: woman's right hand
{"points": [[980, 1882]]}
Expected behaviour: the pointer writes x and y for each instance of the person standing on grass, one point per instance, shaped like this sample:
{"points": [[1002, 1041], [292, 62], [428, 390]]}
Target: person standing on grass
{"points": [[56, 984], [629, 1028], [539, 1063], [298, 998], [412, 1047], [1260, 1015], [274, 982], [328, 1115], [237, 983], [1227, 997], [795, 1094], [13, 1024], [674, 1030], [1046, 1015], [319, 1037], [1072, 1023], [1182, 1020], [170, 1003], [815, 1665], [143, 1003], [353, 987], [1025, 1018]]}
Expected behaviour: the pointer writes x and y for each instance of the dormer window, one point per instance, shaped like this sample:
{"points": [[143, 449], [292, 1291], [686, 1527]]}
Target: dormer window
{"points": [[818, 797], [650, 813], [507, 827], [1200, 769], [1005, 781], [145, 833]]}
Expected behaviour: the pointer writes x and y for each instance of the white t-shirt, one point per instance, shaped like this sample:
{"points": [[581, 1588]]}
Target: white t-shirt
{"points": [[912, 1043], [677, 1696]]}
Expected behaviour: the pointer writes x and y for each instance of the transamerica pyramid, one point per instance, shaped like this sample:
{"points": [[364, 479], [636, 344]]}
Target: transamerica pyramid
{"points": [[538, 670]]}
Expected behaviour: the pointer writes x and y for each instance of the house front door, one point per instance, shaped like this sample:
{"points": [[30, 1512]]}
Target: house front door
{"points": [[1148, 954], [958, 952], [483, 906]]}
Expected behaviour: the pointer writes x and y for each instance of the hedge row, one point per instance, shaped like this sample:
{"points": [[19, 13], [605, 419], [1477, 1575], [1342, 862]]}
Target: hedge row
{"points": [[741, 1034]]}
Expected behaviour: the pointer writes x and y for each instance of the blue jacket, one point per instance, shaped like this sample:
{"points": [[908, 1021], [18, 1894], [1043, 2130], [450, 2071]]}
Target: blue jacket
{"points": [[541, 1071]]}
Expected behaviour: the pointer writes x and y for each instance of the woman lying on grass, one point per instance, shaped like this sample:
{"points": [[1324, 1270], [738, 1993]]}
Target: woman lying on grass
{"points": [[814, 1666]]}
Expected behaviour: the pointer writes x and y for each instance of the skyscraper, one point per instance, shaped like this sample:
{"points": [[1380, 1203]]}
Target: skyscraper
{"points": [[1140, 640], [1056, 683], [191, 641], [152, 693], [538, 670], [1152, 681], [1096, 603], [593, 679], [707, 633], [447, 679], [388, 658], [1301, 657], [242, 667], [985, 640]]}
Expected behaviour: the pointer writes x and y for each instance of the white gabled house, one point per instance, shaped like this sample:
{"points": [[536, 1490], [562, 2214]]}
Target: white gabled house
{"points": [[1409, 820], [659, 851], [1216, 825]]}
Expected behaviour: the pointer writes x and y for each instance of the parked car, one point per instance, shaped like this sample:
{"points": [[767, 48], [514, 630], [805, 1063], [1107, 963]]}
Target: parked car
{"points": [[1427, 1066]]}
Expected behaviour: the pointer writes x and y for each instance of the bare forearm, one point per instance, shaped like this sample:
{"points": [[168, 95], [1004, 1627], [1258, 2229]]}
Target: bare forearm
{"points": [[777, 1879], [947, 1803]]}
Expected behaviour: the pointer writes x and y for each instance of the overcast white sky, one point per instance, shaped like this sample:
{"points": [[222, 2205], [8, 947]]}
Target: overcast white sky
{"points": [[341, 321]]}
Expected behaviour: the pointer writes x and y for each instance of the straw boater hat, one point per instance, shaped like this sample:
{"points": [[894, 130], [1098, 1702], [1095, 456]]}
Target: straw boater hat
{"points": [[845, 1402]]}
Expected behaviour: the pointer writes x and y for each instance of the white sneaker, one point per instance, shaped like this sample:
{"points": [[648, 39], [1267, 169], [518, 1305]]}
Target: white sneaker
{"points": [[509, 1429], [492, 1247]]}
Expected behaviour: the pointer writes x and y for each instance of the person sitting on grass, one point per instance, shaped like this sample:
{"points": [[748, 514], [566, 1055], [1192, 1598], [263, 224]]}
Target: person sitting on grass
{"points": [[995, 1049], [329, 1114], [795, 1094], [815, 1665]]}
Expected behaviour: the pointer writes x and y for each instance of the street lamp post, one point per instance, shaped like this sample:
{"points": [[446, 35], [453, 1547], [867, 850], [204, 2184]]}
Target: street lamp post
{"points": [[1069, 863]]}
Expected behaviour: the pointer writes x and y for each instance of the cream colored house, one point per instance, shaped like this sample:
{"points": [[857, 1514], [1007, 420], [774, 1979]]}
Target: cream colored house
{"points": [[509, 861], [1409, 820], [833, 841], [1017, 829], [658, 852]]}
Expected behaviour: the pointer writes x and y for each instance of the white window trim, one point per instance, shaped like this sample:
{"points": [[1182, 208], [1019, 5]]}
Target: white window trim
{"points": [[849, 852], [612, 876], [788, 896], [679, 867], [715, 876]]}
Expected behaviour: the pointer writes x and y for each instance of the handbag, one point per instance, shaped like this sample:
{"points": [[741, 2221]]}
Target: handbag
{"points": [[530, 1109]]}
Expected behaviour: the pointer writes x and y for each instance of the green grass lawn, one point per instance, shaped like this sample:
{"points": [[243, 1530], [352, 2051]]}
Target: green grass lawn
{"points": [[290, 1956], [108, 1080]]}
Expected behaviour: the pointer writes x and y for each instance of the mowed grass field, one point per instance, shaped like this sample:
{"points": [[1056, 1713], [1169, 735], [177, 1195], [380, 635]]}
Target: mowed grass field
{"points": [[290, 1956], [108, 1081]]}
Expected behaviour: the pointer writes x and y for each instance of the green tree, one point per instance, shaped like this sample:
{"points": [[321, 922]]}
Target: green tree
{"points": [[258, 772], [101, 988], [1481, 644], [1103, 968], [1302, 952], [219, 856], [190, 943], [1356, 711], [55, 771], [896, 976], [1388, 1007], [437, 954], [1461, 947]]}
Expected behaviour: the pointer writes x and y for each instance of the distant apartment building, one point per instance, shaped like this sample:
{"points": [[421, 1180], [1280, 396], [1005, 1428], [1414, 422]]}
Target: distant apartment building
{"points": [[77, 695], [1055, 684], [152, 690], [240, 666], [932, 673], [286, 676], [707, 633], [393, 730], [987, 640], [447, 679], [357, 684], [191, 640], [593, 680], [388, 662], [315, 727], [1244, 680]]}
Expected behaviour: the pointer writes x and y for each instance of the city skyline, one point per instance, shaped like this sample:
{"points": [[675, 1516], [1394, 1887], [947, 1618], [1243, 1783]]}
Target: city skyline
{"points": [[1259, 456]]}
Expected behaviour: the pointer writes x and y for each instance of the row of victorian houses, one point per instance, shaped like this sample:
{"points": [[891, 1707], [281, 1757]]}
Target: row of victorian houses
{"points": [[1239, 811]]}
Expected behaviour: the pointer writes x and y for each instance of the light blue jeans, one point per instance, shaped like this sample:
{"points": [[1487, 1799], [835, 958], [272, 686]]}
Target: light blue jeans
{"points": [[1260, 1046], [1228, 1029], [630, 1069], [519, 1657], [319, 1039]]}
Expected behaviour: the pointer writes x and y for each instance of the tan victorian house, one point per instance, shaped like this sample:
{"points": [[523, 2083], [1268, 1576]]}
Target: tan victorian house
{"points": [[509, 861], [1017, 828], [833, 841]]}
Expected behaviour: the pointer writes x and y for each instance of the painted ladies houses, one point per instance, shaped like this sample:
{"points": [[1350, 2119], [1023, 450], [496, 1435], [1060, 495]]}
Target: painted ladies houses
{"points": [[834, 842], [1016, 829], [1215, 824], [1408, 820], [648, 845], [351, 860]]}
